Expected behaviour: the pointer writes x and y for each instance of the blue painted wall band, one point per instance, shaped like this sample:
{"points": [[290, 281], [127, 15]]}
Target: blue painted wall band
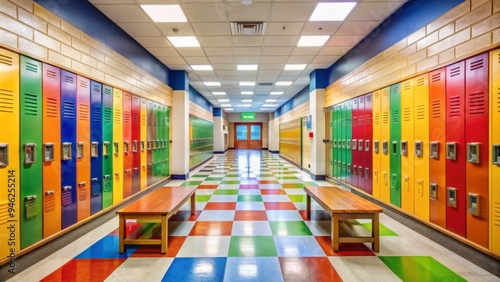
{"points": [[198, 99]]}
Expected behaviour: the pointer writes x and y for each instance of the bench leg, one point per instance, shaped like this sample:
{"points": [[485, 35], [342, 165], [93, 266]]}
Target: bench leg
{"points": [[193, 204], [335, 232], [375, 233], [308, 206], [164, 234], [121, 230]]}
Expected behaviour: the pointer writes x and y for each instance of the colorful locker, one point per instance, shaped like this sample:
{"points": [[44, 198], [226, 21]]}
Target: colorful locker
{"points": [[376, 145], [437, 141], [359, 147], [96, 136], [167, 141], [394, 144], [477, 141], [155, 142], [421, 147], [494, 159], [455, 151], [51, 85], [149, 109], [31, 149], [107, 146], [368, 136], [354, 142], [127, 145], [383, 147], [9, 152], [335, 140], [159, 144], [136, 139], [117, 146], [343, 143], [407, 146], [68, 148], [143, 145], [83, 147], [348, 146]]}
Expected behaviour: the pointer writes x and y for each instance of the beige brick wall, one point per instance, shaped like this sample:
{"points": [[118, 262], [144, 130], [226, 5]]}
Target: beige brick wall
{"points": [[30, 29], [200, 112], [468, 29], [298, 112]]}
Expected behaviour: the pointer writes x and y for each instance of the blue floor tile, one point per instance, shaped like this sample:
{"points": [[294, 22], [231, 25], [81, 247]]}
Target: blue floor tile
{"points": [[107, 247], [196, 269], [298, 246], [253, 269]]}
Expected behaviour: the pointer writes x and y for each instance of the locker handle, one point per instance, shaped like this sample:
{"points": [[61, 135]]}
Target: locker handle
{"points": [[94, 179], [127, 171], [83, 183], [117, 173], [51, 192], [66, 188], [30, 197], [135, 169], [106, 176]]}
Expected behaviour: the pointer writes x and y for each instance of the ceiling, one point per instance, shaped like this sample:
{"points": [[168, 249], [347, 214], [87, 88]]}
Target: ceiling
{"points": [[209, 21]]}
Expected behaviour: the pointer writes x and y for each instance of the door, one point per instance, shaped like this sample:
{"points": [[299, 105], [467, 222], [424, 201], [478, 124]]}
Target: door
{"points": [[248, 136]]}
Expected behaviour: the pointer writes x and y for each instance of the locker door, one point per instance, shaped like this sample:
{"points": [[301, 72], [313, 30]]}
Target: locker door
{"points": [[83, 147], [394, 144], [107, 146], [455, 148], [9, 152], [144, 144], [436, 148], [359, 171], [96, 137], [376, 145], [384, 146], [167, 140], [136, 147], [348, 146], [149, 109], [343, 136], [477, 141], [51, 85], [354, 141], [368, 149], [155, 142], [421, 147], [335, 137], [68, 150], [31, 151], [160, 145], [127, 145], [494, 160], [117, 146], [407, 146]]}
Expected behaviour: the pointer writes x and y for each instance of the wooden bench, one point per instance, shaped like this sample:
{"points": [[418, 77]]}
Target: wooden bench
{"points": [[157, 205], [344, 207]]}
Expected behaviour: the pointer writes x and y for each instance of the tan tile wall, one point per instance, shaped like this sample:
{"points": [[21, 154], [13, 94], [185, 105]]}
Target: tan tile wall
{"points": [[468, 29], [30, 29], [298, 112], [200, 112]]}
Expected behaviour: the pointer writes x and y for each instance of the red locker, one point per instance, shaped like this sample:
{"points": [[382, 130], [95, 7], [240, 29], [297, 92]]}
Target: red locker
{"points": [[136, 146], [455, 149], [361, 143], [354, 142], [437, 144], [477, 141], [127, 145], [368, 137], [83, 148]]}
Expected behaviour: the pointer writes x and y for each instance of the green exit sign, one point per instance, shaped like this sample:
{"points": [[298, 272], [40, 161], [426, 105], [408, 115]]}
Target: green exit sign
{"points": [[247, 116]]}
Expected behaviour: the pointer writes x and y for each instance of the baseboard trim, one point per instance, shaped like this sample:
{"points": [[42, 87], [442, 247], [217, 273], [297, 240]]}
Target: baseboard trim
{"points": [[180, 176]]}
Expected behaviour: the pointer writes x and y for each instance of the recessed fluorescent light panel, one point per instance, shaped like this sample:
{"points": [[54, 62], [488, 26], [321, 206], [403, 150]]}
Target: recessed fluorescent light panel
{"points": [[268, 105], [223, 100], [247, 83], [246, 100], [247, 67], [271, 100], [312, 40], [211, 83], [246, 92], [226, 105], [183, 41], [216, 93], [228, 109], [283, 83], [276, 92], [165, 13], [245, 105], [331, 11], [201, 67], [295, 66]]}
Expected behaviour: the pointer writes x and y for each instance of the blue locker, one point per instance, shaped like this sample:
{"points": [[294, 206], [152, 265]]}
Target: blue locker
{"points": [[95, 147], [68, 148]]}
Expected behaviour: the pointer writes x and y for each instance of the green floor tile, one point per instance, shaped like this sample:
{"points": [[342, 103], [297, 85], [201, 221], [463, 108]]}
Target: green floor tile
{"points": [[232, 175], [420, 268], [226, 192], [310, 184], [230, 182], [252, 246], [213, 179], [191, 183], [282, 177], [293, 185], [383, 230], [249, 198], [297, 198], [290, 228], [203, 198], [200, 175]]}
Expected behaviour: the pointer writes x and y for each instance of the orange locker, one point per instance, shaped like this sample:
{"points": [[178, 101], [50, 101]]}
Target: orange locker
{"points": [[494, 159], [384, 146], [477, 141], [117, 146], [83, 147], [407, 146], [377, 125], [144, 153], [127, 145], [51, 149]]}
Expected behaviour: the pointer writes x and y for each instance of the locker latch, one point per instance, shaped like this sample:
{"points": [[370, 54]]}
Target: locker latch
{"points": [[105, 148], [116, 145], [48, 152], [94, 149], [434, 150], [406, 182], [375, 146], [348, 145], [125, 147], [354, 144], [434, 191], [360, 171], [394, 147], [452, 197], [4, 155], [404, 148], [149, 145], [134, 146], [473, 202], [29, 153], [142, 145], [451, 151], [385, 147], [419, 149], [495, 152], [79, 150], [50, 192], [473, 152], [367, 146], [360, 145], [355, 169], [67, 188], [375, 175], [335, 143], [367, 173], [343, 144]]}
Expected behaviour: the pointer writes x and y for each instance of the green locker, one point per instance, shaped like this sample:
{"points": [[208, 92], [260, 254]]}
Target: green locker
{"points": [[31, 151], [332, 140], [167, 140], [348, 147], [343, 137], [337, 141], [394, 149], [107, 145]]}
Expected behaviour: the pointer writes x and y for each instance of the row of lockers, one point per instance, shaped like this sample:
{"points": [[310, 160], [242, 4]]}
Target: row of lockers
{"points": [[290, 145], [201, 137], [70, 148], [433, 148]]}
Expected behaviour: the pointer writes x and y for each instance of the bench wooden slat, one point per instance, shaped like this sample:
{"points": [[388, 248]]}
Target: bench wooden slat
{"points": [[339, 200], [159, 201]]}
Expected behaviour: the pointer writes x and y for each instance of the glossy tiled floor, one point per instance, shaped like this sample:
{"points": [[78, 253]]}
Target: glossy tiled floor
{"points": [[250, 226]]}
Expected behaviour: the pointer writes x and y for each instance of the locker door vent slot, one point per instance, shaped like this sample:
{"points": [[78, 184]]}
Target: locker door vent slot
{"points": [[96, 110], [436, 77], [421, 112], [105, 148], [4, 212], [495, 152], [433, 191], [476, 65], [455, 106], [116, 146], [474, 204], [82, 192], [31, 206], [31, 67], [404, 148], [395, 116], [419, 149], [50, 201], [29, 153], [94, 149], [118, 115], [455, 71], [477, 105], [30, 104], [436, 108], [52, 107], [451, 151], [84, 112], [376, 118], [68, 110], [107, 115], [48, 152], [79, 150], [126, 116], [6, 101], [452, 197], [385, 117], [107, 184], [473, 152], [5, 60], [407, 114], [4, 155], [69, 79], [434, 150]]}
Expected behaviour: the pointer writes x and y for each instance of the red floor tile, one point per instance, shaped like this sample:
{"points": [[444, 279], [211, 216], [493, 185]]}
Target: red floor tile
{"points": [[212, 228], [130, 228], [85, 270], [279, 206], [185, 216], [207, 186], [272, 192], [345, 249], [220, 206], [315, 269], [268, 182], [250, 215], [249, 186], [173, 246]]}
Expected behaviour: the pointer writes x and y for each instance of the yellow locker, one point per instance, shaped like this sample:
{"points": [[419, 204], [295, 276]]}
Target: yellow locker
{"points": [[407, 146], [421, 146], [495, 151], [9, 154], [143, 145], [384, 145], [117, 146], [377, 123]]}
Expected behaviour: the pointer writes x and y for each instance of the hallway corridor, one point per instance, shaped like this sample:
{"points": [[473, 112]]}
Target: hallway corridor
{"points": [[250, 226]]}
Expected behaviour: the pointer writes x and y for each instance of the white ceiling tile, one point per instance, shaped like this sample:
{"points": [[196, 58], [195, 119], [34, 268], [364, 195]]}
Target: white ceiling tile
{"points": [[303, 51], [221, 60], [153, 41], [274, 59], [269, 73], [286, 77], [163, 52], [247, 77], [222, 51], [347, 41], [254, 12], [224, 67], [376, 11], [247, 51], [276, 51], [214, 41], [267, 77], [246, 59], [285, 41], [226, 72], [179, 67], [191, 51], [284, 28], [247, 41], [292, 12], [183, 29], [227, 77], [124, 13], [300, 59], [321, 28], [211, 28], [271, 66], [325, 59], [320, 66], [197, 61], [204, 12], [357, 28], [140, 29], [172, 60], [337, 51]]}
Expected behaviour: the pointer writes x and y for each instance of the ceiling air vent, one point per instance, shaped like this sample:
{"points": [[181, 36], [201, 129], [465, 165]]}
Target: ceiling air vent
{"points": [[265, 84], [248, 28]]}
